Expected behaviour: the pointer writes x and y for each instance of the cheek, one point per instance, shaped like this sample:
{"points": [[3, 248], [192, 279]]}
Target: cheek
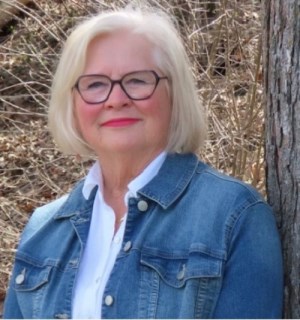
{"points": [[161, 109], [85, 114], [157, 106]]}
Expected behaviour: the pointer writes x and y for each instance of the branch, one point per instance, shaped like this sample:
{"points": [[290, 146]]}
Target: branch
{"points": [[8, 11]]}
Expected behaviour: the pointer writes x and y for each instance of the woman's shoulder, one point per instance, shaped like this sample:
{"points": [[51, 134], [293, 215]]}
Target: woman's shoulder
{"points": [[224, 185], [65, 206], [42, 215], [186, 174], [230, 199], [46, 211], [183, 168]]}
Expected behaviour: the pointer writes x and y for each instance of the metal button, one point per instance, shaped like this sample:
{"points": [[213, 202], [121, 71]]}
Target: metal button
{"points": [[142, 205], [20, 278], [109, 300], [61, 316], [127, 246], [181, 273]]}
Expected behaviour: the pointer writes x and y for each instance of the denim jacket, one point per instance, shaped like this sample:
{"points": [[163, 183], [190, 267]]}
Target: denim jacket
{"points": [[197, 244]]}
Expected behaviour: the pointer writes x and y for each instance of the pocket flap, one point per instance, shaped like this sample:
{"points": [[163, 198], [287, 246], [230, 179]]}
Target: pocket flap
{"points": [[28, 276], [176, 270]]}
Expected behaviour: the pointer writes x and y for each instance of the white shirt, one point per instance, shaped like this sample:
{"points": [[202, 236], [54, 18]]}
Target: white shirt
{"points": [[102, 245]]}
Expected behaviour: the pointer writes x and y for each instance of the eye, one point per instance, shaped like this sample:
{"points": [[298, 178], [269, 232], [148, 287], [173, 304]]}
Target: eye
{"points": [[135, 81], [96, 85], [93, 83], [140, 78]]}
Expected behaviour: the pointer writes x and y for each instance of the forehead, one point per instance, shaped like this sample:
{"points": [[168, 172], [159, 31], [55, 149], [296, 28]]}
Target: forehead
{"points": [[122, 50]]}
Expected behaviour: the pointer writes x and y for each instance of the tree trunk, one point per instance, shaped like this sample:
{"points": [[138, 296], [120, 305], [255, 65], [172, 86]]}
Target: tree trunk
{"points": [[282, 99]]}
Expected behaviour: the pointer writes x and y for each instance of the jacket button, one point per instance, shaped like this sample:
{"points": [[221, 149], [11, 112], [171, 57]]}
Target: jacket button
{"points": [[20, 279], [142, 205], [61, 316], [181, 273], [127, 246], [109, 300]]}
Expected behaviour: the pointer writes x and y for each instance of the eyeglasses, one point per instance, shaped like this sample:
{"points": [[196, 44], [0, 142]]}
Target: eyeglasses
{"points": [[138, 85]]}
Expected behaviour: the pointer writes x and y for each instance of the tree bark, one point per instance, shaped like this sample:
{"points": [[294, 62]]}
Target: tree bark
{"points": [[281, 31]]}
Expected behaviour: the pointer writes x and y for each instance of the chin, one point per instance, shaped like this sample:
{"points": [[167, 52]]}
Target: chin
{"points": [[122, 148]]}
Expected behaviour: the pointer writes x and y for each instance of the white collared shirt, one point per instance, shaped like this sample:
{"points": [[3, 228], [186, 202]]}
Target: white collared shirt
{"points": [[103, 245]]}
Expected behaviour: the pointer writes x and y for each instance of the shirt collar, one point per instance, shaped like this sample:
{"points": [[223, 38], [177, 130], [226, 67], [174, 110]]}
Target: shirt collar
{"points": [[165, 188], [94, 177]]}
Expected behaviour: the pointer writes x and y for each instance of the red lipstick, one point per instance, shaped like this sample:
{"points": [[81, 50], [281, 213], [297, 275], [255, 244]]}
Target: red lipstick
{"points": [[120, 122]]}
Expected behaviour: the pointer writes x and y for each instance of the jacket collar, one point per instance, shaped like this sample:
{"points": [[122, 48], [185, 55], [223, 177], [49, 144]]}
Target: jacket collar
{"points": [[172, 179], [170, 182], [76, 203]]}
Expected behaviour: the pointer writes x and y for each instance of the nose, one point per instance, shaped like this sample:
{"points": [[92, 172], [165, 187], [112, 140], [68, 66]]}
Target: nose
{"points": [[117, 97]]}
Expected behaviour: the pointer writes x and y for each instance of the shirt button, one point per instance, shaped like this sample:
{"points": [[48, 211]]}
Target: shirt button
{"points": [[109, 300], [142, 205], [117, 240], [127, 246]]}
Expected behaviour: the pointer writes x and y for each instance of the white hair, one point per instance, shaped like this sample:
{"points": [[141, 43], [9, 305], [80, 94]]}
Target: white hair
{"points": [[188, 122]]}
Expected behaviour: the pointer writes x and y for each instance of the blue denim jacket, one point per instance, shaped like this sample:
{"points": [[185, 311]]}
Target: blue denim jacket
{"points": [[200, 245]]}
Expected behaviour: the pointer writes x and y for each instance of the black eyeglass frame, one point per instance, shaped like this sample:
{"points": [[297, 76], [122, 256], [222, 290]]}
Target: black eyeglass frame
{"points": [[119, 81]]}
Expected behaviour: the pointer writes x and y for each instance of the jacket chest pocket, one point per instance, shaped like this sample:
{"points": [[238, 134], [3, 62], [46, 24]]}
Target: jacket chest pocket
{"points": [[30, 282], [180, 286], [29, 277]]}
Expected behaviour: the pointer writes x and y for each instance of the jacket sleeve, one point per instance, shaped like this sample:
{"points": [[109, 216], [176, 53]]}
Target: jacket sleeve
{"points": [[13, 305], [253, 275]]}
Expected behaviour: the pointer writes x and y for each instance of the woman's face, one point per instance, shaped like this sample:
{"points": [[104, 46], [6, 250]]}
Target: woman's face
{"points": [[120, 124]]}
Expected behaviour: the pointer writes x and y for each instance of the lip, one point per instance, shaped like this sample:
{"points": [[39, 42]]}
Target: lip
{"points": [[120, 122]]}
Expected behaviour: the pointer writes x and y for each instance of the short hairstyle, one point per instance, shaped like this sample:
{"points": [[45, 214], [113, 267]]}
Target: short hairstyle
{"points": [[188, 122]]}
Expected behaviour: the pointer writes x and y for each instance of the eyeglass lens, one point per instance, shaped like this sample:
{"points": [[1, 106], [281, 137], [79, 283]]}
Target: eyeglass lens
{"points": [[137, 85]]}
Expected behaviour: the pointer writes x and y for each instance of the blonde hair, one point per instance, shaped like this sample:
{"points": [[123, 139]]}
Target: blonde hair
{"points": [[188, 123]]}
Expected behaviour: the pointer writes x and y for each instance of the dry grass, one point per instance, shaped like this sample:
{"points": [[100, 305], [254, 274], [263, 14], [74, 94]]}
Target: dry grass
{"points": [[223, 41]]}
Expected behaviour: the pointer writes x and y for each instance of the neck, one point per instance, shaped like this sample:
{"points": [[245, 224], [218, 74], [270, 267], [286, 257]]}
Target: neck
{"points": [[119, 170]]}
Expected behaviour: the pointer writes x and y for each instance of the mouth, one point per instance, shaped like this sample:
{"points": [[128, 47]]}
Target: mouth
{"points": [[120, 122]]}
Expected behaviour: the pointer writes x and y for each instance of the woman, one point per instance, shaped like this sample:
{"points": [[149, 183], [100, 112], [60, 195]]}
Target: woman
{"points": [[151, 232]]}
